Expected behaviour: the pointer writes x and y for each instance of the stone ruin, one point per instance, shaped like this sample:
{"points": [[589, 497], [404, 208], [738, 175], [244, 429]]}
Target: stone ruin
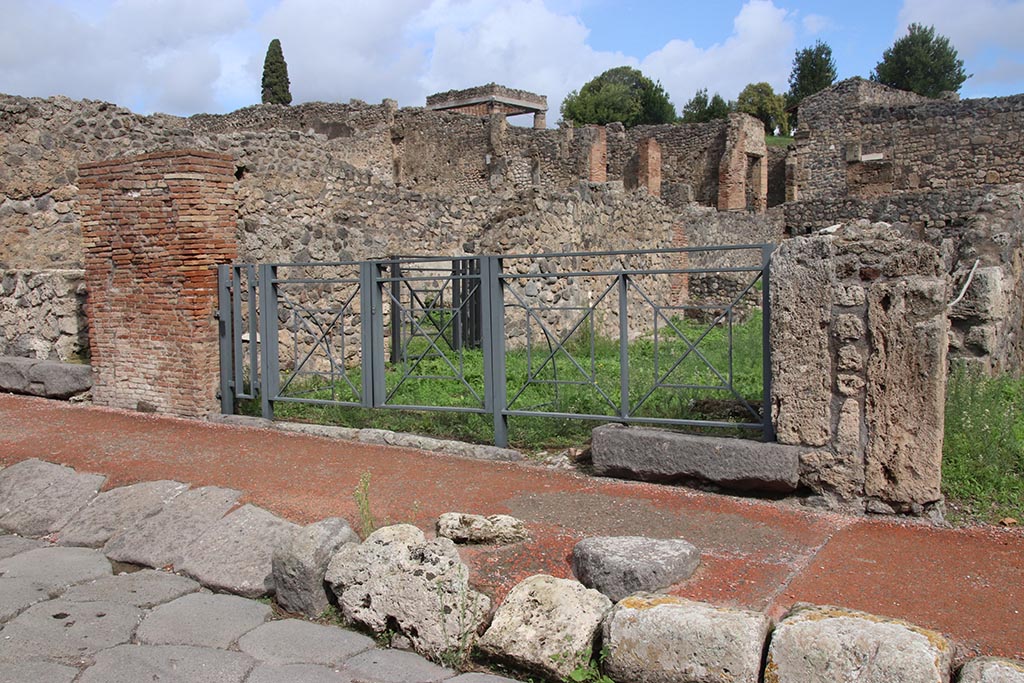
{"points": [[330, 181]]}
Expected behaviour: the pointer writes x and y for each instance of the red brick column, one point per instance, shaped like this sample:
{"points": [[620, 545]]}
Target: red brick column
{"points": [[597, 160], [155, 227], [649, 171]]}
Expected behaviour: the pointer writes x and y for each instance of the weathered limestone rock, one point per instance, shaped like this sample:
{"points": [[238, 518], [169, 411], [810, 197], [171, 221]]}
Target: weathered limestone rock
{"points": [[112, 512], [821, 644], [398, 580], [992, 670], [234, 554], [662, 639], [622, 565], [38, 497], [493, 529], [661, 455], [546, 625], [300, 562], [801, 293]]}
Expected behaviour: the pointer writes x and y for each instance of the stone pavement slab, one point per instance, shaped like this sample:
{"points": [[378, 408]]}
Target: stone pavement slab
{"points": [[37, 670], [147, 588], [113, 512], [12, 545], [293, 641], [67, 632], [168, 664], [477, 677], [234, 553], [163, 539], [394, 666], [17, 595], [56, 568], [57, 493], [297, 673], [203, 620]]}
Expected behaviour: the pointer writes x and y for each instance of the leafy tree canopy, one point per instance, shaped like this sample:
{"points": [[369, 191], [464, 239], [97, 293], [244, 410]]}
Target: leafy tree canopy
{"points": [[760, 100], [620, 94], [813, 71], [922, 62], [275, 76], [700, 109]]}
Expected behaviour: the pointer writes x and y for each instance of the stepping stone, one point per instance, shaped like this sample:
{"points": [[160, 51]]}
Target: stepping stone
{"points": [[146, 589], [56, 568], [619, 566], [163, 539], [12, 545], [67, 632], [300, 564], [38, 498], [168, 664], [234, 553], [113, 512], [395, 666], [17, 595], [293, 641], [292, 673], [203, 620], [19, 672]]}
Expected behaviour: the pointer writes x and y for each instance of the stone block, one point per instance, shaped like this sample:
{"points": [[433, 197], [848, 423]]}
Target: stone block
{"points": [[493, 529], [289, 673], [293, 641], [395, 666], [546, 625], [985, 298], [17, 595], [56, 568], [38, 497], [38, 670], [14, 374], [234, 554], [992, 670], [660, 455], [53, 379], [12, 545], [300, 562], [658, 638], [619, 566], [134, 663], [146, 589], [203, 620], [821, 644], [113, 512]]}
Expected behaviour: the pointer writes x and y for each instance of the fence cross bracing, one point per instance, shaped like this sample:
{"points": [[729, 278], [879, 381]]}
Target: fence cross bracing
{"points": [[675, 337]]}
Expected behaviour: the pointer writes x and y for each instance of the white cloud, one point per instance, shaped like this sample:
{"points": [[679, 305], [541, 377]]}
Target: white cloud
{"points": [[759, 49], [973, 28], [815, 23]]}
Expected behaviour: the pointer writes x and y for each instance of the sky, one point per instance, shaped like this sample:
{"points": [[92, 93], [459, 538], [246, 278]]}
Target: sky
{"points": [[190, 56]]}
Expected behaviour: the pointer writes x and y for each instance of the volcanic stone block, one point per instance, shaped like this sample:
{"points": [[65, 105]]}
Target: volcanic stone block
{"points": [[56, 568], [395, 666], [290, 673], [300, 563], [660, 455], [12, 545], [67, 632], [16, 595], [293, 641], [622, 565], [147, 588], [657, 638], [133, 663], [203, 620], [113, 512], [38, 497], [38, 670]]}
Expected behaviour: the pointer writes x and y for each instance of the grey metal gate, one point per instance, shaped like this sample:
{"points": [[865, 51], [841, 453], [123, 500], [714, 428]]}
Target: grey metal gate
{"points": [[505, 336]]}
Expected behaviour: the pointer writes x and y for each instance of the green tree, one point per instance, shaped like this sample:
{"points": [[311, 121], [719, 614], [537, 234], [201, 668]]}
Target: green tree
{"points": [[813, 71], [922, 62], [760, 100], [275, 76], [620, 94], [700, 109]]}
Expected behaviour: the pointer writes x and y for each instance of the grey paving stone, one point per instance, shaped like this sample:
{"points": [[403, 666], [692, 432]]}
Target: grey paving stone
{"points": [[113, 512], [202, 619], [12, 545], [163, 539], [17, 595], [292, 641], [168, 664], [394, 666], [147, 588], [67, 632], [56, 567], [619, 566], [477, 677], [234, 554], [297, 673], [300, 564], [52, 494], [22, 672]]}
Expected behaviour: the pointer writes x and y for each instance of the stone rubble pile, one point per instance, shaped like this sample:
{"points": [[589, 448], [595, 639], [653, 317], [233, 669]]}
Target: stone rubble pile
{"points": [[65, 616]]}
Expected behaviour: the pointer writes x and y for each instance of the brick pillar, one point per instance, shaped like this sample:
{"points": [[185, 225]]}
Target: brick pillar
{"points": [[649, 152], [598, 158], [154, 228]]}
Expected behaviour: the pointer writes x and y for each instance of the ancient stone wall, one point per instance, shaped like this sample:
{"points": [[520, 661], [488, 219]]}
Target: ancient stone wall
{"points": [[42, 314], [859, 338], [154, 228], [865, 140]]}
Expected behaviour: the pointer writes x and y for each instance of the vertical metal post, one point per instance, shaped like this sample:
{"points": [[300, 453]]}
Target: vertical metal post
{"points": [[226, 334], [458, 271], [270, 377], [493, 309], [395, 271], [374, 319], [367, 350], [252, 328], [768, 433], [623, 345]]}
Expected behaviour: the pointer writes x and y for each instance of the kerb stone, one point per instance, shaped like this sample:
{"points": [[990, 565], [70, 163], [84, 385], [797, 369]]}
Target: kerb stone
{"points": [[300, 562], [37, 498], [660, 455], [113, 512], [619, 566]]}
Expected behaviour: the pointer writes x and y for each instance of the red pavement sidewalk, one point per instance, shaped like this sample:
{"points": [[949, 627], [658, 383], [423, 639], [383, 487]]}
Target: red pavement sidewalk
{"points": [[967, 583]]}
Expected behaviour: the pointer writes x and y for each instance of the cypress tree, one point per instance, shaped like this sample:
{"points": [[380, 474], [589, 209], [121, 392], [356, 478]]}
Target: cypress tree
{"points": [[275, 76]]}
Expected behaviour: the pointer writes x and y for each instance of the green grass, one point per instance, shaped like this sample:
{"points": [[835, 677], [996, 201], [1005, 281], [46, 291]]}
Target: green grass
{"points": [[983, 451], [778, 140], [598, 357]]}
